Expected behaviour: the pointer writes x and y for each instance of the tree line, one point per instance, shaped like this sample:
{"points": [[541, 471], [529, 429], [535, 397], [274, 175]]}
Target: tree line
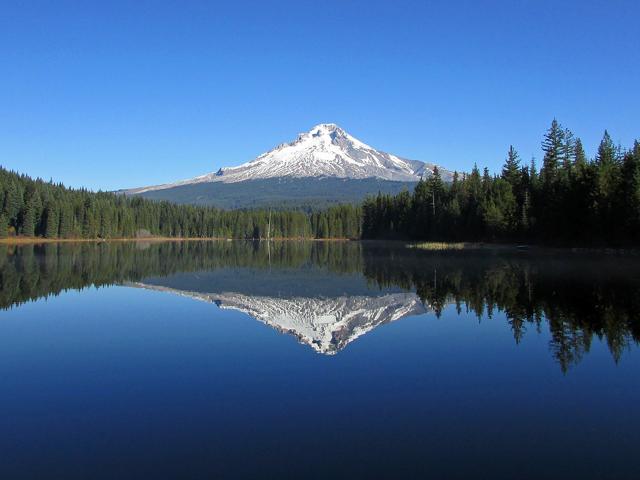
{"points": [[571, 199], [35, 208]]}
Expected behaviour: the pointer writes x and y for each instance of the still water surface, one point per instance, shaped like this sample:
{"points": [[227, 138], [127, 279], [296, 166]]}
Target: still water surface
{"points": [[316, 360]]}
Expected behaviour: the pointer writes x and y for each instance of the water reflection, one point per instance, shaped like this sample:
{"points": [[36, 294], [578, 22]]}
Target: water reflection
{"points": [[327, 324], [329, 294]]}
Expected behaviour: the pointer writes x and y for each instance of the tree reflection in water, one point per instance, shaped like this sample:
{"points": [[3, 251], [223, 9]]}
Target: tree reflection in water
{"points": [[577, 296]]}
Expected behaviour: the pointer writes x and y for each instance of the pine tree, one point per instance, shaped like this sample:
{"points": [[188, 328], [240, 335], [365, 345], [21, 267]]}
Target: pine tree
{"points": [[52, 219], [607, 167], [533, 171], [493, 218], [29, 218], [552, 146], [421, 213], [455, 183], [66, 222], [475, 183], [486, 183], [4, 225], [437, 187], [579, 155], [13, 202], [607, 151], [568, 154], [629, 195], [511, 169], [550, 199]]}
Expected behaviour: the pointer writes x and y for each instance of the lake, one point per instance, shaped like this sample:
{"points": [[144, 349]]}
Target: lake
{"points": [[316, 360]]}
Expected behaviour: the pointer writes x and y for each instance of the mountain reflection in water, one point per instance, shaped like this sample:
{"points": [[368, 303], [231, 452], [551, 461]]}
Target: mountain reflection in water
{"points": [[329, 294]]}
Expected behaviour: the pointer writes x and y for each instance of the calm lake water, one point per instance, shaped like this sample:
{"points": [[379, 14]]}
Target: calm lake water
{"points": [[316, 360]]}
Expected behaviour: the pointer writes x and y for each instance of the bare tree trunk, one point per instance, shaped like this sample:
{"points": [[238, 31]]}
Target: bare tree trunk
{"points": [[269, 227]]}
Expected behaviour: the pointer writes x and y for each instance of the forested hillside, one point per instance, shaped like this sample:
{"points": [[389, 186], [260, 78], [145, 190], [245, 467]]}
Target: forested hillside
{"points": [[285, 193], [571, 200], [44, 209]]}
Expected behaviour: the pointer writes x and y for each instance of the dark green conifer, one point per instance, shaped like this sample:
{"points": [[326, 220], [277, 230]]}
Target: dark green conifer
{"points": [[4, 225], [552, 146], [52, 220], [511, 169]]}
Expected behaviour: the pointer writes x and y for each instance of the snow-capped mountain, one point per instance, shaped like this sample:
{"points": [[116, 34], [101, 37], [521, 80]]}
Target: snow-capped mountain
{"points": [[325, 151], [327, 324]]}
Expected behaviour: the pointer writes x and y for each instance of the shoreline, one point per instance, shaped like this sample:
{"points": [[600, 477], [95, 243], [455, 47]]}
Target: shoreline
{"points": [[39, 240], [518, 247], [423, 246]]}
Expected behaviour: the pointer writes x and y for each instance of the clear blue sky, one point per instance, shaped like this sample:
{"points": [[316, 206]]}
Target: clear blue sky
{"points": [[122, 94]]}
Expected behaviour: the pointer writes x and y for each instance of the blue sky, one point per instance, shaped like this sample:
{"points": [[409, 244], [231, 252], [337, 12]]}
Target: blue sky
{"points": [[122, 94]]}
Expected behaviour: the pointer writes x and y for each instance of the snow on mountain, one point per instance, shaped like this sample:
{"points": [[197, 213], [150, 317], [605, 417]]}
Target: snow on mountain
{"points": [[324, 151], [325, 324]]}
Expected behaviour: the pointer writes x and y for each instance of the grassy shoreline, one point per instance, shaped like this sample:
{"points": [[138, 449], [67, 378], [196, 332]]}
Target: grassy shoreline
{"points": [[519, 247]]}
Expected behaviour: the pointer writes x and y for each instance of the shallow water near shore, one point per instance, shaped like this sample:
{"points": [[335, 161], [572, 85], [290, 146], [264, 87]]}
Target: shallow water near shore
{"points": [[316, 360]]}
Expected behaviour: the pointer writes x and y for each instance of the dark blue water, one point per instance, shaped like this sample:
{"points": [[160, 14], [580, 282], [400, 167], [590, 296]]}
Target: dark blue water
{"points": [[316, 361]]}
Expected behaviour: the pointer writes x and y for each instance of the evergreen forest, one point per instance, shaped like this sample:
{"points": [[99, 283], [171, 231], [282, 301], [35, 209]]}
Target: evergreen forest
{"points": [[35, 208], [571, 200]]}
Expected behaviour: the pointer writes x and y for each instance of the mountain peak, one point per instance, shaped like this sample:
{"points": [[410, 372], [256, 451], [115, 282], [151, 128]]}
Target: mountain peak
{"points": [[329, 127], [324, 129], [326, 150], [326, 133]]}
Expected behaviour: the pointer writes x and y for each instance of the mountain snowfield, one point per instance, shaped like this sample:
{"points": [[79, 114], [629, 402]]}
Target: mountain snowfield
{"points": [[325, 151]]}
